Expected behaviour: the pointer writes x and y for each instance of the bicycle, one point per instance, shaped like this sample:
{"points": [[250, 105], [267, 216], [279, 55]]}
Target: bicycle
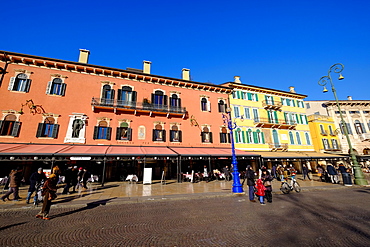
{"points": [[286, 187]]}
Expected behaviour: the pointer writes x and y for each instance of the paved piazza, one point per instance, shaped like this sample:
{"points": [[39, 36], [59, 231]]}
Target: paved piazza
{"points": [[331, 217]]}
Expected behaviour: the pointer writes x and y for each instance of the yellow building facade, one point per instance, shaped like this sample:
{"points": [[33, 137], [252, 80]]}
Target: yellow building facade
{"points": [[269, 119], [324, 133]]}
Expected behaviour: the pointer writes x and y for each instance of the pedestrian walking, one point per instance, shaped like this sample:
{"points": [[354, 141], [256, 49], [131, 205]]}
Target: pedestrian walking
{"points": [[74, 178], [332, 173], [226, 172], [305, 172], [49, 191], [267, 182], [86, 175], [67, 179], [249, 175], [280, 171], [35, 180], [15, 177], [273, 171], [261, 191], [320, 173]]}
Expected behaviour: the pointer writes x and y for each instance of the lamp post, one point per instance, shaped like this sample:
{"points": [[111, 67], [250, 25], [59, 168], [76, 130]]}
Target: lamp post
{"points": [[237, 186], [338, 68]]}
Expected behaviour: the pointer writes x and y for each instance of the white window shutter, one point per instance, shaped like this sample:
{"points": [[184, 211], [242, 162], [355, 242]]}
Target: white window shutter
{"points": [[11, 83], [48, 87], [209, 106]]}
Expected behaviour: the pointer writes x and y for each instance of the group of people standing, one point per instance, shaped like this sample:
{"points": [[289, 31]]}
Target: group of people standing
{"points": [[262, 187]]}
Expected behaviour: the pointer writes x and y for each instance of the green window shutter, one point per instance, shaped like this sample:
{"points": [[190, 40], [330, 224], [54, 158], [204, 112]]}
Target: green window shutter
{"points": [[238, 94], [268, 115], [256, 97], [276, 117], [255, 138], [243, 135], [293, 102], [246, 135], [249, 96], [236, 137], [263, 137], [272, 99]]}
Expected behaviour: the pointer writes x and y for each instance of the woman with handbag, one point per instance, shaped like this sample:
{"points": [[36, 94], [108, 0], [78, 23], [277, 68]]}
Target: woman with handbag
{"points": [[49, 191], [267, 182]]}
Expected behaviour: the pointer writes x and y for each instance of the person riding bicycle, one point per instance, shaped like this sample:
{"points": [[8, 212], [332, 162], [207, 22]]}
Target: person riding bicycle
{"points": [[293, 173]]}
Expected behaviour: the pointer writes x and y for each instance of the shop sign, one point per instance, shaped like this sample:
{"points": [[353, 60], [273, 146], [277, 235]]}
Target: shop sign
{"points": [[80, 158]]}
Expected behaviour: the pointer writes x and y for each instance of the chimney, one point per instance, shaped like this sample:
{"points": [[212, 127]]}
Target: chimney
{"points": [[84, 56], [237, 79], [186, 74], [349, 97], [146, 67], [291, 89]]}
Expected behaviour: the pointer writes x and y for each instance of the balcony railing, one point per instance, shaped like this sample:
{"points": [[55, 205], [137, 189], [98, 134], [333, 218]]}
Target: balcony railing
{"points": [[278, 147], [275, 123], [324, 133], [269, 104], [364, 137], [134, 105]]}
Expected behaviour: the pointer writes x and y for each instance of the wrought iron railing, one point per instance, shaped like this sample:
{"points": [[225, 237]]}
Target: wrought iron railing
{"points": [[123, 104], [274, 121]]}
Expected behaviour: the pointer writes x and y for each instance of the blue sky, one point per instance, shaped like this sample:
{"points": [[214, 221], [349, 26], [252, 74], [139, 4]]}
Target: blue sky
{"points": [[274, 44]]}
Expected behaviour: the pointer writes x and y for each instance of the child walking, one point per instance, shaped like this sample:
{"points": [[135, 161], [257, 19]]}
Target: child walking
{"points": [[261, 191]]}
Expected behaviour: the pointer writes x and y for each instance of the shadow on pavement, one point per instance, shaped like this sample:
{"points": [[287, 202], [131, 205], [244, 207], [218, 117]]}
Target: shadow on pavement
{"points": [[6, 227]]}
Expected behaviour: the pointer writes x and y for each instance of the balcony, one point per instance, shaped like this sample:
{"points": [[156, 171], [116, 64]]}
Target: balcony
{"points": [[278, 147], [268, 104], [364, 137], [324, 133], [274, 123], [135, 107]]}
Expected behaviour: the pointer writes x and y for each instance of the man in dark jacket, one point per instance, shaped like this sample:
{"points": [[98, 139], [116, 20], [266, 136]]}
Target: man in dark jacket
{"points": [[15, 177], [68, 180], [249, 175], [35, 179]]}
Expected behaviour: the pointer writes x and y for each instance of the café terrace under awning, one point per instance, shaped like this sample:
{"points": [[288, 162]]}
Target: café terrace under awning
{"points": [[300, 155]]}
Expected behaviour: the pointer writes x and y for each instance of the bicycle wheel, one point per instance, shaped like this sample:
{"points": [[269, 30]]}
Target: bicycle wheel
{"points": [[285, 188], [297, 187]]}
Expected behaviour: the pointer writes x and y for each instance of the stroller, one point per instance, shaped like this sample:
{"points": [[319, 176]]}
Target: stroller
{"points": [[38, 198]]}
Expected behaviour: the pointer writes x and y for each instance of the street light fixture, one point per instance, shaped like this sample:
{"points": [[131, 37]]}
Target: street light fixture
{"points": [[237, 186], [338, 68]]}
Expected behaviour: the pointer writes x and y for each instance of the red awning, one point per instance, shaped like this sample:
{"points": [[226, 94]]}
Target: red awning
{"points": [[210, 152], [158, 151], [82, 150], [124, 151], [32, 149]]}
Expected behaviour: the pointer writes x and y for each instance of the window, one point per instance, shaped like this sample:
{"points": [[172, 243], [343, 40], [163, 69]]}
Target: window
{"points": [[247, 114], [175, 134], [224, 136], [221, 106], [272, 116], [252, 96], [206, 135], [124, 132], [239, 138], [300, 104], [334, 143], [291, 138], [20, 83], [366, 112], [102, 131], [331, 130], [107, 97], [255, 115], [175, 103], [259, 137], [322, 130], [48, 128], [308, 105], [159, 134], [337, 112], [354, 112], [9, 126], [348, 128], [308, 140], [205, 104], [325, 142], [269, 99], [236, 112], [159, 100], [359, 127], [126, 97], [298, 137], [249, 136], [56, 87]]}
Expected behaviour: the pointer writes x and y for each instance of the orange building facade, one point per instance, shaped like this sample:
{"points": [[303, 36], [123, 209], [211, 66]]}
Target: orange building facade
{"points": [[113, 121]]}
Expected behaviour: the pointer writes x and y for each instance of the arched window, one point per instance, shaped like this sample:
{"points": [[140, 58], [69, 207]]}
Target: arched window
{"points": [[158, 133], [203, 104], [308, 139], [126, 97], [48, 128], [360, 129], [107, 95], [206, 135], [124, 132], [102, 131], [221, 106], [9, 126], [224, 136], [20, 83], [159, 100], [298, 137], [175, 134], [291, 138], [249, 136], [56, 86], [238, 136]]}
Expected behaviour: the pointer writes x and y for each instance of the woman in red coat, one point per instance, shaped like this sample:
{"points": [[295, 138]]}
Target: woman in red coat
{"points": [[260, 191]]}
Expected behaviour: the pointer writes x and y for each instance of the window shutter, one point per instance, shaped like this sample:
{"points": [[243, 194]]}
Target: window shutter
{"points": [[63, 89], [112, 95], [48, 87], [28, 85], [228, 138], [272, 99], [39, 129], [268, 116], [165, 99], [363, 128], [11, 83], [1, 123], [202, 135], [285, 118], [222, 137], [179, 102], [134, 96], [119, 96], [236, 137], [210, 137], [247, 137], [276, 117], [153, 97], [16, 127], [96, 131], [263, 137], [256, 97], [255, 138], [249, 96], [171, 135], [238, 94], [208, 106], [300, 118], [153, 137], [54, 134], [349, 128], [118, 133], [109, 133], [243, 136], [129, 134]]}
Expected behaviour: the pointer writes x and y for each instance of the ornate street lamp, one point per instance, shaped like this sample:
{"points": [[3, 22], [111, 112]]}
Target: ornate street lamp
{"points": [[338, 68], [237, 186]]}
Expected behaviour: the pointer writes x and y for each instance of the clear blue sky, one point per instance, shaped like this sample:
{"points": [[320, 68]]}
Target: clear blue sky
{"points": [[269, 43]]}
